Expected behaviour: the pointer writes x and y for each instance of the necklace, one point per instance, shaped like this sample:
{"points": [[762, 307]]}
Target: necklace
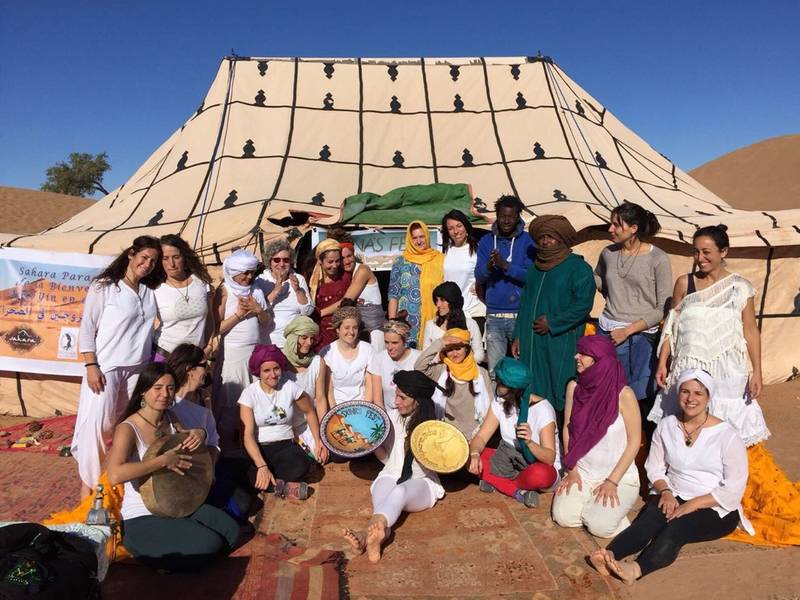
{"points": [[158, 432], [180, 290], [688, 436], [621, 262]]}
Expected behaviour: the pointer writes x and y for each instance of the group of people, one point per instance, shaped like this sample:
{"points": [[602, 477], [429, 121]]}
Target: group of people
{"points": [[489, 335]]}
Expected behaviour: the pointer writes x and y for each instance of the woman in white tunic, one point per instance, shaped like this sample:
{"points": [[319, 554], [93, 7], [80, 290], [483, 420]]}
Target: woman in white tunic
{"points": [[307, 369], [403, 485], [450, 315], [698, 470], [287, 291], [460, 248], [244, 318], [115, 340], [346, 360], [602, 434], [183, 300], [384, 364]]}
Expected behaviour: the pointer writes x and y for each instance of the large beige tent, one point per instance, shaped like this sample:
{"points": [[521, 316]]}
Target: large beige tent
{"points": [[280, 136]]}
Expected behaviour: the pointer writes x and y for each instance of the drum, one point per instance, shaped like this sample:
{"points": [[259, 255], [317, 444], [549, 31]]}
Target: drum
{"points": [[167, 494], [439, 446], [353, 429]]}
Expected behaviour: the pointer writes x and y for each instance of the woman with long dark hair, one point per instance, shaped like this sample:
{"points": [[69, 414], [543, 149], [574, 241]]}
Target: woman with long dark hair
{"points": [[635, 279], [403, 485], [184, 299], [171, 544], [450, 315], [115, 340], [460, 249]]}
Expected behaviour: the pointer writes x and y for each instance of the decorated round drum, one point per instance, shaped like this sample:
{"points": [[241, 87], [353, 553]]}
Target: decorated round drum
{"points": [[353, 429], [439, 446]]}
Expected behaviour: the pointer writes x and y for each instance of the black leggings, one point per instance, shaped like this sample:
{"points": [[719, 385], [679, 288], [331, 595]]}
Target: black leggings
{"points": [[659, 540], [286, 460]]}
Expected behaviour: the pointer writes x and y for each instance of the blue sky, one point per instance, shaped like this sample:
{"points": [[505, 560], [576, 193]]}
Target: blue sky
{"points": [[694, 79]]}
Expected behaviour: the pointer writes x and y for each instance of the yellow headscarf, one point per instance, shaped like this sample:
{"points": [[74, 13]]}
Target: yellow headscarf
{"points": [[431, 264], [467, 370], [316, 275]]}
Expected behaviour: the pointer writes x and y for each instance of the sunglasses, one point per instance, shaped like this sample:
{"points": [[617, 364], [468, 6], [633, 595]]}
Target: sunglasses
{"points": [[278, 259]]}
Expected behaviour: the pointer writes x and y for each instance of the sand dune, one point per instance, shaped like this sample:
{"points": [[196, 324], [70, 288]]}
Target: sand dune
{"points": [[32, 211], [762, 176]]}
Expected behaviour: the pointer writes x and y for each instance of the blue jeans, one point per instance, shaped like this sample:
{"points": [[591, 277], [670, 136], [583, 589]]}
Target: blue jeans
{"points": [[499, 334], [638, 357]]}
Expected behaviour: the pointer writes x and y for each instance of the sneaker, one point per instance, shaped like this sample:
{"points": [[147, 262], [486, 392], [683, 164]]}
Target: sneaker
{"points": [[291, 489], [530, 498], [485, 486]]}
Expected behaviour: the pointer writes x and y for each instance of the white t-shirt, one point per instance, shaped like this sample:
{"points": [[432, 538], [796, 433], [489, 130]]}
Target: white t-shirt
{"points": [[193, 416], [385, 367], [540, 415], [182, 313], [307, 380], [249, 331], [347, 374], [459, 267], [433, 332], [286, 306], [274, 413], [599, 461]]}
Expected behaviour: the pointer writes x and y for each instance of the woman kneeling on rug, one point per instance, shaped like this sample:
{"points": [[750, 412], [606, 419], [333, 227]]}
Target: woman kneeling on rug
{"points": [[163, 543], [698, 469], [403, 485], [602, 433], [528, 456], [267, 408]]}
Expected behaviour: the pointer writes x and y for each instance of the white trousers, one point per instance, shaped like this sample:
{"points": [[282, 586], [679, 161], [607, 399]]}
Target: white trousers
{"points": [[234, 376], [390, 499], [577, 508], [97, 416]]}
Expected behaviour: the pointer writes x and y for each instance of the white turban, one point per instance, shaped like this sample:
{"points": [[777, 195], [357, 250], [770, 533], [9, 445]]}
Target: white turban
{"points": [[239, 262], [699, 375]]}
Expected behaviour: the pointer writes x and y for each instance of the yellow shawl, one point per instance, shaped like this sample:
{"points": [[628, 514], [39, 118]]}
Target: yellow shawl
{"points": [[468, 369], [431, 264], [317, 275]]}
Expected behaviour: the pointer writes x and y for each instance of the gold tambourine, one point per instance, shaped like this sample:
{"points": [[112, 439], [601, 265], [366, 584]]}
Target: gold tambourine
{"points": [[167, 494], [439, 446]]}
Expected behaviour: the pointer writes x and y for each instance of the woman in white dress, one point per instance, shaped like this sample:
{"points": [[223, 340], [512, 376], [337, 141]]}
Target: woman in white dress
{"points": [[602, 434], [698, 470], [346, 360], [244, 318], [384, 364], [403, 485], [286, 290], [116, 340], [307, 369], [460, 248], [450, 315]]}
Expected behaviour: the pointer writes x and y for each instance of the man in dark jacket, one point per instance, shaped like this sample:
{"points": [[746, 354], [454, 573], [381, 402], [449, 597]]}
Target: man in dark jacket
{"points": [[503, 261]]}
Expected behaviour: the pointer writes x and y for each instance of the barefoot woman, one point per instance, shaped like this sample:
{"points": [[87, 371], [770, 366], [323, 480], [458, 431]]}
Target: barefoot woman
{"points": [[403, 485]]}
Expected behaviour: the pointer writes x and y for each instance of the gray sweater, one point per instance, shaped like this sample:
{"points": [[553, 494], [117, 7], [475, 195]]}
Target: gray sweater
{"points": [[634, 287]]}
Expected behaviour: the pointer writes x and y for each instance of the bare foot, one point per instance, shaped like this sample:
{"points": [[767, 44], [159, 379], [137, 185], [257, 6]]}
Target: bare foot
{"points": [[628, 572], [376, 535], [599, 558], [357, 539]]}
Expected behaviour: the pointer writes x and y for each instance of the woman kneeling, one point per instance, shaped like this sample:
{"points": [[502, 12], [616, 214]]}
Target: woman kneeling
{"points": [[698, 468], [169, 544], [403, 484], [527, 459]]}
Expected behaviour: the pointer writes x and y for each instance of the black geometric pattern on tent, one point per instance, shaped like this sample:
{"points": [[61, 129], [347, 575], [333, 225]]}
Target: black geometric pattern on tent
{"points": [[360, 127]]}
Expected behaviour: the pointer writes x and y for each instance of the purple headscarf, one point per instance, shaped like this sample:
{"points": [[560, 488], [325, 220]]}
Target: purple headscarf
{"points": [[264, 353], [595, 403]]}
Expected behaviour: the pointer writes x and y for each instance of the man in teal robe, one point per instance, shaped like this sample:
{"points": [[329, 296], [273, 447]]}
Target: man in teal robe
{"points": [[555, 305]]}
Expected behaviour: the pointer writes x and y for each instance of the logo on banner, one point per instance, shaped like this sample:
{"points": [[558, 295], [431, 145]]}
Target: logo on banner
{"points": [[22, 339], [68, 343]]}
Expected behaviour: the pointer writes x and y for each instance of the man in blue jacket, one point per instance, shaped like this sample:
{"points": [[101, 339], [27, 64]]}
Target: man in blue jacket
{"points": [[503, 260]]}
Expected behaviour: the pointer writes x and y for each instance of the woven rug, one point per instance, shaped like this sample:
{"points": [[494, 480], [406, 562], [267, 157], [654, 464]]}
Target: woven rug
{"points": [[46, 436], [33, 486]]}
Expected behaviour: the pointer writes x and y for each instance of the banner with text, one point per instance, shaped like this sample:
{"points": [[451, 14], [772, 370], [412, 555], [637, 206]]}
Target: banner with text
{"points": [[378, 248], [41, 303]]}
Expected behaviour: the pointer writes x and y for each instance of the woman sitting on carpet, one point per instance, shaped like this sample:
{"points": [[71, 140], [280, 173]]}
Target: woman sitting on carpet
{"points": [[698, 469], [467, 387], [169, 544], [528, 456], [403, 485], [267, 408], [346, 359], [602, 433]]}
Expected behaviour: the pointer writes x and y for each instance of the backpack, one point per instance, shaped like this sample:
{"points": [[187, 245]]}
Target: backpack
{"points": [[36, 562]]}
